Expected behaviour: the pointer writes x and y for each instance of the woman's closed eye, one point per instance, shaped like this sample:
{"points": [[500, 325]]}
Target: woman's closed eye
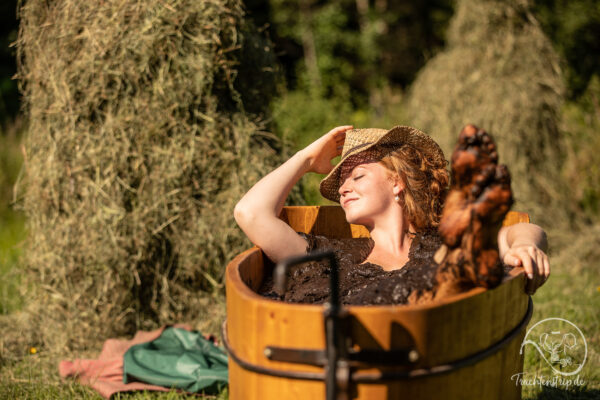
{"points": [[358, 177]]}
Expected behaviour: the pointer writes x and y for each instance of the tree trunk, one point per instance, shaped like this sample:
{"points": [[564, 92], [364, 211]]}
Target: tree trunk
{"points": [[308, 44]]}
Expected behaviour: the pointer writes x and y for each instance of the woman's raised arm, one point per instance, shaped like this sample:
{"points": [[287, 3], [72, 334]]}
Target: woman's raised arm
{"points": [[257, 213]]}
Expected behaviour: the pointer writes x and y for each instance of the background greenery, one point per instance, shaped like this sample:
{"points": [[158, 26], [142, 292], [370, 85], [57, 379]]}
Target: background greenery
{"points": [[353, 61]]}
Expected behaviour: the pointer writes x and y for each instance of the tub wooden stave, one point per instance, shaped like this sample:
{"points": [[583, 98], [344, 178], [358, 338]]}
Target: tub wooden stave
{"points": [[441, 332]]}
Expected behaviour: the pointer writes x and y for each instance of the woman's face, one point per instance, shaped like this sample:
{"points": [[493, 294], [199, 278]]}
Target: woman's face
{"points": [[367, 192]]}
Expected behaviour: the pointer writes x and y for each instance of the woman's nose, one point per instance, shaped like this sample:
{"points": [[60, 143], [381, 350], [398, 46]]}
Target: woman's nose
{"points": [[345, 188]]}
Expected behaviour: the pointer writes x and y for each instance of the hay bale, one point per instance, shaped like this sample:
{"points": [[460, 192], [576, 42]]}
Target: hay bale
{"points": [[139, 147], [500, 72]]}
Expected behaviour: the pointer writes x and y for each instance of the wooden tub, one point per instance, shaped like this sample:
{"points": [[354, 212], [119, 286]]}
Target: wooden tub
{"points": [[446, 335]]}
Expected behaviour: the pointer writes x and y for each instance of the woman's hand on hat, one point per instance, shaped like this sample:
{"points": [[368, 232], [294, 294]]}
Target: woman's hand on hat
{"points": [[533, 260], [323, 150]]}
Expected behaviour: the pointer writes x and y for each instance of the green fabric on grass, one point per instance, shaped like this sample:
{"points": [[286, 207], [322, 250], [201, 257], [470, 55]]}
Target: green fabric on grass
{"points": [[178, 359]]}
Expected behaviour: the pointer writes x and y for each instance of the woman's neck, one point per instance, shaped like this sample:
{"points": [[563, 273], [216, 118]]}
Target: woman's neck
{"points": [[392, 242]]}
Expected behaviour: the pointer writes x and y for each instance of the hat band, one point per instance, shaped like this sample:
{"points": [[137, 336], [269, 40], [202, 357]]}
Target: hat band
{"points": [[360, 146]]}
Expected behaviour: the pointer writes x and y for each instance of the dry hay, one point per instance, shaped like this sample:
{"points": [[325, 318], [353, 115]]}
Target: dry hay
{"points": [[501, 73], [140, 143]]}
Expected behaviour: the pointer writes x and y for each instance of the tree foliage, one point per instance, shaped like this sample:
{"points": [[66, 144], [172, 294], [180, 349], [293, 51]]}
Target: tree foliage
{"points": [[352, 47], [574, 28]]}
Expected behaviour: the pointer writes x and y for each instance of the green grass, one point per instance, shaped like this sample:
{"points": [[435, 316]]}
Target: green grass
{"points": [[36, 377], [571, 293]]}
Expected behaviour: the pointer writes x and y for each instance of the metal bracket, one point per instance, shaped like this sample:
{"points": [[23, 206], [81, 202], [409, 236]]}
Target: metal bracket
{"points": [[393, 357]]}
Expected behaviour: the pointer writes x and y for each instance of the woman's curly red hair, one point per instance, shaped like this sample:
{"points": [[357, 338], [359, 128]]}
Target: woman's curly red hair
{"points": [[426, 185]]}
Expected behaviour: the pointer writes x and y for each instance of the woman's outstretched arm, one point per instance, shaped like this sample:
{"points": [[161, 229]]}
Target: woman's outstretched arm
{"points": [[257, 213], [525, 245]]}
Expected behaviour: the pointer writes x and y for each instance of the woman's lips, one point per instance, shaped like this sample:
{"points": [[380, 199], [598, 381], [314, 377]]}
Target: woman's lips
{"points": [[348, 201]]}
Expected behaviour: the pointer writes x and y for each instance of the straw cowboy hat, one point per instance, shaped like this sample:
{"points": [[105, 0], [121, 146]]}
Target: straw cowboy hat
{"points": [[381, 142]]}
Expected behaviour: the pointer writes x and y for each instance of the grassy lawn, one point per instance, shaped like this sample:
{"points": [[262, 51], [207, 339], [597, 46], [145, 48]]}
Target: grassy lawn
{"points": [[571, 293], [36, 377]]}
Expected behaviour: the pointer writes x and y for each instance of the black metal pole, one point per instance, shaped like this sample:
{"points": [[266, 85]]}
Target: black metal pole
{"points": [[337, 372], [331, 316]]}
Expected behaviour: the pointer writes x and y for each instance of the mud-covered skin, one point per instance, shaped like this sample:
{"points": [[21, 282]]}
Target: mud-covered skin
{"points": [[460, 255]]}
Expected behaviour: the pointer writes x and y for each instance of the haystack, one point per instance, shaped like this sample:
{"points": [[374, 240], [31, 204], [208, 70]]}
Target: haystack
{"points": [[142, 138], [500, 72]]}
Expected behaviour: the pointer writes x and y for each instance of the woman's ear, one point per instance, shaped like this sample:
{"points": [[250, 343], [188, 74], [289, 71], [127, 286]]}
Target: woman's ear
{"points": [[397, 184], [398, 187]]}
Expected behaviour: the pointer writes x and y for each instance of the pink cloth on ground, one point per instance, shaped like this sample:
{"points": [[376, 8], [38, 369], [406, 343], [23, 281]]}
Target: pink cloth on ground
{"points": [[105, 375]]}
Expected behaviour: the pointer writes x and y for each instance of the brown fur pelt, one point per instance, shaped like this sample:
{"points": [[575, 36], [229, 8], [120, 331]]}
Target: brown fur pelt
{"points": [[479, 198]]}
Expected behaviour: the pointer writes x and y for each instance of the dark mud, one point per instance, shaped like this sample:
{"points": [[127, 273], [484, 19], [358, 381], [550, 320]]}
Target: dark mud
{"points": [[360, 284]]}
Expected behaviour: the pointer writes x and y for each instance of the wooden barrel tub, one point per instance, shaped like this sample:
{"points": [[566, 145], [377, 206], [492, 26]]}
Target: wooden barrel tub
{"points": [[467, 345]]}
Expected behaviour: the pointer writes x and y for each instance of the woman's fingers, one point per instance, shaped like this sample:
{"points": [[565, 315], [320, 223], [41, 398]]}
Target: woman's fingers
{"points": [[340, 129], [323, 150], [339, 133], [535, 263], [532, 273], [510, 259], [540, 263], [539, 272], [544, 266], [528, 266], [519, 258]]}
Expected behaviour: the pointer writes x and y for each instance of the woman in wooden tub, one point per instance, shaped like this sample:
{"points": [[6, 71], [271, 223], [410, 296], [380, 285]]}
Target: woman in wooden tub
{"points": [[394, 182]]}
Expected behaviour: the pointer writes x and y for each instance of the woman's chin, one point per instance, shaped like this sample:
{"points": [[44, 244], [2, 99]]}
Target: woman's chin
{"points": [[350, 220], [354, 220]]}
